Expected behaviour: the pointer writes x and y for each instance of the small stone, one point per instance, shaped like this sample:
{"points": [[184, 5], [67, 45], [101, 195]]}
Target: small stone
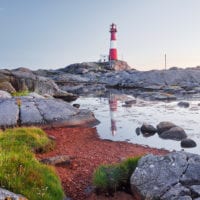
{"points": [[127, 105], [187, 143], [57, 160], [148, 128], [130, 102], [174, 133], [137, 130], [51, 137], [76, 105], [183, 104]]}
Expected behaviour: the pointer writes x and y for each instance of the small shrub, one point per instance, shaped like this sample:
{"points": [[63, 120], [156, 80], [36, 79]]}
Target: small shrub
{"points": [[21, 93], [109, 178], [32, 137]]}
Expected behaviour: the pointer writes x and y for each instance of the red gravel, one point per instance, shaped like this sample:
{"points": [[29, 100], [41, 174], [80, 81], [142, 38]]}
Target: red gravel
{"points": [[89, 152]]}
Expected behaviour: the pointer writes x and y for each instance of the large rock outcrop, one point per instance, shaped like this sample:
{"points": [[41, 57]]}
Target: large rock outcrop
{"points": [[101, 78], [174, 176], [22, 79], [23, 111], [155, 84]]}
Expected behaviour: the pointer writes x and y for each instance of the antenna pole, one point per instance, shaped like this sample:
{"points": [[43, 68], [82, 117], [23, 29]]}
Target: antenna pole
{"points": [[165, 61]]}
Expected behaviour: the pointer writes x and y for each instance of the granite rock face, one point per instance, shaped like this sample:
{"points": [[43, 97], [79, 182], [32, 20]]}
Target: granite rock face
{"points": [[22, 79], [158, 84], [171, 177], [9, 113], [23, 111]]}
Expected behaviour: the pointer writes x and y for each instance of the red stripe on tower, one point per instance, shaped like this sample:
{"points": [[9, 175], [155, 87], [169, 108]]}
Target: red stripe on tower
{"points": [[113, 45]]}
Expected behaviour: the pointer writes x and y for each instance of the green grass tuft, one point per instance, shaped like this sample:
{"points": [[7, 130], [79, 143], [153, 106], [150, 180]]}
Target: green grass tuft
{"points": [[109, 178], [20, 171], [20, 93], [33, 138]]}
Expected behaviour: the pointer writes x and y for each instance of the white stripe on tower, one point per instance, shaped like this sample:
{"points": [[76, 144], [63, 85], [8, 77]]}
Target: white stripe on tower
{"points": [[113, 44]]}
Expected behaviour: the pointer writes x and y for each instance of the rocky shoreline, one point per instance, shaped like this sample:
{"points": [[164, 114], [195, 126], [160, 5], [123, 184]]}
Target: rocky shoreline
{"points": [[97, 79], [48, 110]]}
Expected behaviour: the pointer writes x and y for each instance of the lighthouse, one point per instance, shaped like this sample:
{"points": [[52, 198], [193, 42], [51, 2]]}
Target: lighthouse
{"points": [[113, 46]]}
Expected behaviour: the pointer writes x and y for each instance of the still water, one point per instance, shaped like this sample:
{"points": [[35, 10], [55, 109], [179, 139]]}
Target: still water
{"points": [[118, 123]]}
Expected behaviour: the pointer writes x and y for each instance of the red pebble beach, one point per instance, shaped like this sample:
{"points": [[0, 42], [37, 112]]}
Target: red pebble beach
{"points": [[88, 152]]}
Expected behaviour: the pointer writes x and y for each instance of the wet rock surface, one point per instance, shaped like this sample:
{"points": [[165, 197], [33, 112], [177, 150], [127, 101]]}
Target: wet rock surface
{"points": [[173, 176], [23, 111]]}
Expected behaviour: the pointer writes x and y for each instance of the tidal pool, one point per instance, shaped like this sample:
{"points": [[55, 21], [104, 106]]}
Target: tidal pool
{"points": [[119, 123]]}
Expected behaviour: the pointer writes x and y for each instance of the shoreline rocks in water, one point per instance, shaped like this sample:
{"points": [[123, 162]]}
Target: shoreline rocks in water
{"points": [[167, 130]]}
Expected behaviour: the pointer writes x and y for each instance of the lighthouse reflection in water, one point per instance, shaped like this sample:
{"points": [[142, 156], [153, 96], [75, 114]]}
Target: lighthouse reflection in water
{"points": [[113, 110]]}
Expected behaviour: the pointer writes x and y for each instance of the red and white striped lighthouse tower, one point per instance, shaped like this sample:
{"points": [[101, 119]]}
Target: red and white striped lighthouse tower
{"points": [[113, 45]]}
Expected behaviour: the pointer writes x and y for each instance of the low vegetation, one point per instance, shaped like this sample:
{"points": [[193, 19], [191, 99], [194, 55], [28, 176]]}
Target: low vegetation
{"points": [[20, 171], [110, 178], [20, 93], [33, 138]]}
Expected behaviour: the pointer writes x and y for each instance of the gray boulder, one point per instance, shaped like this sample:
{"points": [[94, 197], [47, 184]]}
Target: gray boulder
{"points": [[188, 143], [148, 128], [174, 176], [174, 133], [6, 195], [164, 126], [25, 111], [195, 189], [29, 113], [9, 113], [55, 110], [4, 95]]}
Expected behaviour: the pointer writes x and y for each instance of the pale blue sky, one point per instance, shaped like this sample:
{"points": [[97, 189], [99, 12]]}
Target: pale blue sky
{"points": [[56, 33]]}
